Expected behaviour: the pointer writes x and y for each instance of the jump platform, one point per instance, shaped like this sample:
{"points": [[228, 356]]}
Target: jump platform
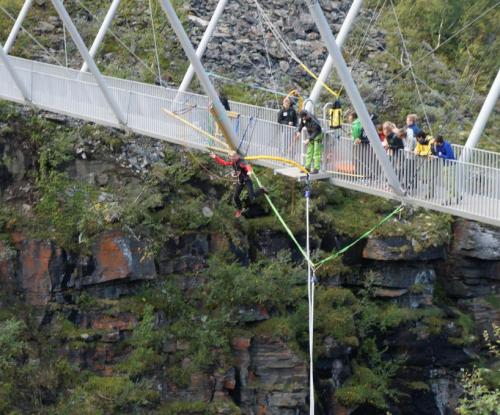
{"points": [[300, 176]]}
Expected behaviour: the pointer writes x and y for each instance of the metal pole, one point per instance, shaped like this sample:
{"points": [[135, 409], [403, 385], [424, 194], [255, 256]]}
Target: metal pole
{"points": [[188, 77], [199, 70], [17, 26], [15, 77], [353, 93], [329, 66], [484, 115], [102, 31], [63, 14], [310, 296]]}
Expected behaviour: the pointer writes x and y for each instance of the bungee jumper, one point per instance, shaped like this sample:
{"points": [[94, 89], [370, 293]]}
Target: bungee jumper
{"points": [[241, 172]]}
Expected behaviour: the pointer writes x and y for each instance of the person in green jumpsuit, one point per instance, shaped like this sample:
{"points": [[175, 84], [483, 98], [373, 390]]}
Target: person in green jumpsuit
{"points": [[314, 140]]}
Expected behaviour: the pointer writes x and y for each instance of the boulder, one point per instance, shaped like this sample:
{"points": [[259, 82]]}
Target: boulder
{"points": [[476, 240], [41, 266], [184, 254], [119, 257], [281, 375], [399, 248], [7, 262]]}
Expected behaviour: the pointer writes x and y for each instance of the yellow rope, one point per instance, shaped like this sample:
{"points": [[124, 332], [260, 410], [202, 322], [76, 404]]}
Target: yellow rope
{"points": [[225, 133], [313, 75], [282, 159], [194, 127]]}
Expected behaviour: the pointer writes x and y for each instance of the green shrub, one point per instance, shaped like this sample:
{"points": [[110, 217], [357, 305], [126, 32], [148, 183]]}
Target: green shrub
{"points": [[105, 395], [145, 343], [65, 211]]}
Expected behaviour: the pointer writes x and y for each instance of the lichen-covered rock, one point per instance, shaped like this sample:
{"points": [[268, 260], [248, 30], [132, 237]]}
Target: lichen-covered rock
{"points": [[475, 240], [39, 264], [399, 248], [184, 254], [7, 263], [119, 257], [280, 373]]}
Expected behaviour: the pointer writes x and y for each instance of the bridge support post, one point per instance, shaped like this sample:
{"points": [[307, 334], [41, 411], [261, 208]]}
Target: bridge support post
{"points": [[102, 31], [484, 115], [63, 14], [199, 70], [354, 95], [329, 66], [188, 77], [17, 26], [12, 72]]}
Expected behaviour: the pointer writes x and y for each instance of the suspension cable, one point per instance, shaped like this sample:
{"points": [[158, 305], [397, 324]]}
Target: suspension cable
{"points": [[279, 37], [364, 41], [154, 40], [249, 85], [117, 39], [465, 27], [34, 39], [408, 57], [269, 63]]}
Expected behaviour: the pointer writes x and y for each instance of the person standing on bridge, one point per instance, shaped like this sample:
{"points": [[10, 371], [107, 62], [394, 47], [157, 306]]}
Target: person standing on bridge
{"points": [[443, 150], [287, 114], [314, 140], [411, 130], [361, 149], [242, 172]]}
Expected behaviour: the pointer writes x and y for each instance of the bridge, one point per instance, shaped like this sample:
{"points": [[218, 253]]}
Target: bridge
{"points": [[468, 187]]}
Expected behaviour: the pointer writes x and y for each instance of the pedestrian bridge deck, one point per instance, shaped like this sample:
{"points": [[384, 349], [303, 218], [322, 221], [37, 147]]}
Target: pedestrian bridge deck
{"points": [[469, 188]]}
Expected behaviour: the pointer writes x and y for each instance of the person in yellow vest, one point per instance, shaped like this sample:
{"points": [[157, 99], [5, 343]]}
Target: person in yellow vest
{"points": [[423, 168], [424, 144]]}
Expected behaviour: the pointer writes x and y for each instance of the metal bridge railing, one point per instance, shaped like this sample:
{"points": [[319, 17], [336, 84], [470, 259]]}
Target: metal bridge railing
{"points": [[469, 186]]}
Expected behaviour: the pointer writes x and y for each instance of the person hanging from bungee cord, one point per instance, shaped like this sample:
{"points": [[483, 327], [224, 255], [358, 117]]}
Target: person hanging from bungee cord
{"points": [[242, 172], [314, 140]]}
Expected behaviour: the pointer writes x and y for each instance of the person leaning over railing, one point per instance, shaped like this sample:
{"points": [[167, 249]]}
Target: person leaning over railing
{"points": [[411, 129], [422, 174], [360, 142], [395, 146], [443, 150]]}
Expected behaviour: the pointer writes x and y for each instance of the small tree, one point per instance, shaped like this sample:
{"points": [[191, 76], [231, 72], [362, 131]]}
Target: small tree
{"points": [[481, 395]]}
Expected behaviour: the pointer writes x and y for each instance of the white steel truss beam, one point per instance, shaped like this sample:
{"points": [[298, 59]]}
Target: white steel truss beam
{"points": [[329, 65], [354, 95], [199, 70], [484, 115], [17, 26], [63, 14], [102, 32], [15, 77], [188, 77]]}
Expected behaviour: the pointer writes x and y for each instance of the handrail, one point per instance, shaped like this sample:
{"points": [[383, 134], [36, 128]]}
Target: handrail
{"points": [[470, 189]]}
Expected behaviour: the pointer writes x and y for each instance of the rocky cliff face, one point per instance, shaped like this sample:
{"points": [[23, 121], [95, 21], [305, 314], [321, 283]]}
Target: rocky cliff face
{"points": [[430, 295]]}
